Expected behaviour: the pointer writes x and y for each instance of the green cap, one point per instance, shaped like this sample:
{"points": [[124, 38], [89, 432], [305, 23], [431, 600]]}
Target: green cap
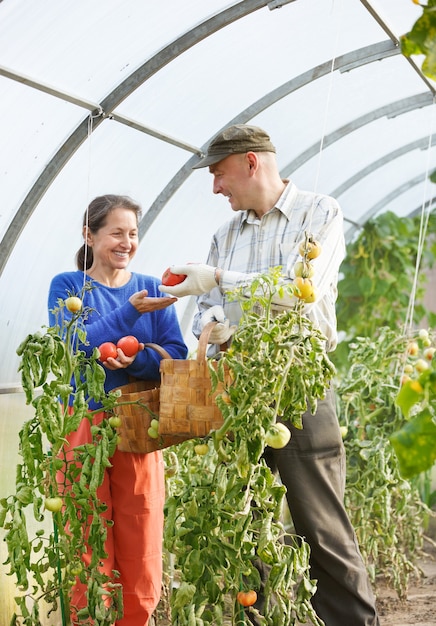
{"points": [[236, 139]]}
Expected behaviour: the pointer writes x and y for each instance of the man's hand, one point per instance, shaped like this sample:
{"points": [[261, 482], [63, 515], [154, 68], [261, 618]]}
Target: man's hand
{"points": [[222, 331], [200, 278]]}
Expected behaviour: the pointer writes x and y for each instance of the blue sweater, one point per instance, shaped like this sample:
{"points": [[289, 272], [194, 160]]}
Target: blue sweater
{"points": [[113, 317]]}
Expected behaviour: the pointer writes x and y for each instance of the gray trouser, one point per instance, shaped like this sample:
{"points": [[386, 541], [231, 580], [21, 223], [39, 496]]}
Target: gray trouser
{"points": [[312, 467]]}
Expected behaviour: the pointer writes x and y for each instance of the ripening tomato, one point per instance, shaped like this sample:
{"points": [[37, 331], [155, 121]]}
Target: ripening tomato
{"points": [[73, 304], [305, 288], [246, 598], [169, 279], [421, 365], [429, 353], [310, 249], [277, 436], [412, 348], [304, 269], [129, 345], [106, 350], [53, 504]]}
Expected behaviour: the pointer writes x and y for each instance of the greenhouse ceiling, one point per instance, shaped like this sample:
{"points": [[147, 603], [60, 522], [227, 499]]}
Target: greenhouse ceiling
{"points": [[123, 96]]}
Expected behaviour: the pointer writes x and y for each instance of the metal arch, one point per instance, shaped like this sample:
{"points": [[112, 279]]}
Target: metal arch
{"points": [[395, 193], [390, 110], [419, 144], [343, 63], [107, 106]]}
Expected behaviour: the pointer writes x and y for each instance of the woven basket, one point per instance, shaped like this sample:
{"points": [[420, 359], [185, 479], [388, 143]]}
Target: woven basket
{"points": [[136, 418], [187, 405]]}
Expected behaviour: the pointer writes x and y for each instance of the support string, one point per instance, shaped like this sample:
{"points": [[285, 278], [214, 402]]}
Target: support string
{"points": [[425, 216], [327, 107]]}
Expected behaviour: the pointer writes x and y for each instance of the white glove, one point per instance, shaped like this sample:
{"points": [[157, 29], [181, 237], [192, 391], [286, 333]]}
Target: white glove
{"points": [[200, 278], [222, 331]]}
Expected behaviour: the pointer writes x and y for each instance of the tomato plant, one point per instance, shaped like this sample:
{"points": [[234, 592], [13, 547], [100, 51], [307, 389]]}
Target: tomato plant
{"points": [[385, 509], [45, 565], [107, 350], [378, 276], [169, 279], [223, 510]]}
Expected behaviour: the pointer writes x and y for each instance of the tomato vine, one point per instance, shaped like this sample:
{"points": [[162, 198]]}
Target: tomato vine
{"points": [[223, 513], [46, 565]]}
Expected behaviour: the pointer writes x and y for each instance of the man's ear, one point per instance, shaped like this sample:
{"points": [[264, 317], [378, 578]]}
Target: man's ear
{"points": [[252, 160]]}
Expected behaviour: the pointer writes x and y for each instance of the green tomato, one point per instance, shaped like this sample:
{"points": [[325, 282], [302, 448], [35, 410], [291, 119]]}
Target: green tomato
{"points": [[201, 449], [152, 433], [76, 569], [344, 431], [115, 421], [154, 424], [53, 504], [278, 436]]}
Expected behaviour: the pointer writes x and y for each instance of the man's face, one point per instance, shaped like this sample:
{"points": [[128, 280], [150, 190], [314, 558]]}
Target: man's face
{"points": [[231, 178]]}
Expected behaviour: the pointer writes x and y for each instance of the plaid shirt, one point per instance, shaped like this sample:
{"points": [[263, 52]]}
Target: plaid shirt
{"points": [[248, 245]]}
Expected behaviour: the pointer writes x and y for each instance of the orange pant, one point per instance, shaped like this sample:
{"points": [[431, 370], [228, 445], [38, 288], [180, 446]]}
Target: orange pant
{"points": [[133, 490]]}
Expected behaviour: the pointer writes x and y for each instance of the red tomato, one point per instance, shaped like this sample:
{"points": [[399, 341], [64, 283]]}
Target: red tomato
{"points": [[247, 598], [129, 345], [106, 350], [169, 279]]}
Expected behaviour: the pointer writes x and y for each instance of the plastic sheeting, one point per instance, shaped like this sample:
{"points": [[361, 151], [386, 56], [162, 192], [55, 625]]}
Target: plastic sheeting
{"points": [[121, 96]]}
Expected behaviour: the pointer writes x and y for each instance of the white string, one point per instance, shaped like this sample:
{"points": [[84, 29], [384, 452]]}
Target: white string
{"points": [[88, 186], [425, 216], [326, 109]]}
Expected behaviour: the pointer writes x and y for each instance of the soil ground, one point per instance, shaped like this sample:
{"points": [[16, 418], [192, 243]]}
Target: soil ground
{"points": [[419, 609]]}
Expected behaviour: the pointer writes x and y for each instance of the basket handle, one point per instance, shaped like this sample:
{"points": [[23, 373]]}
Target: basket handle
{"points": [[157, 348], [204, 340]]}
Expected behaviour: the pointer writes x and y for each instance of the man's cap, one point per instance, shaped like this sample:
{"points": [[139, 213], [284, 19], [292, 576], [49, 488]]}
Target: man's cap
{"points": [[236, 139]]}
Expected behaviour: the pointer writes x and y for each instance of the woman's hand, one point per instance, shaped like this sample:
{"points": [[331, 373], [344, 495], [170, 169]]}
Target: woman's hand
{"points": [[144, 304], [122, 361]]}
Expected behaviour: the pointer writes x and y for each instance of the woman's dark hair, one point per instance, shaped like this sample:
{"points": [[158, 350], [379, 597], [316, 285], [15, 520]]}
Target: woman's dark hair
{"points": [[95, 218]]}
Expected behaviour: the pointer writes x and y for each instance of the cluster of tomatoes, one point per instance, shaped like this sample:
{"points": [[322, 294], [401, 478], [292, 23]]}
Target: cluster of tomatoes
{"points": [[421, 355], [309, 249], [128, 344]]}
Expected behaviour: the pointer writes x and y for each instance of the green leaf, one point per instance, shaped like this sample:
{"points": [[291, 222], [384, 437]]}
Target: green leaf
{"points": [[415, 445], [410, 393]]}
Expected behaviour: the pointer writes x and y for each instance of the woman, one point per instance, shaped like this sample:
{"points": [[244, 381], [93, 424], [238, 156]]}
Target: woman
{"points": [[124, 303]]}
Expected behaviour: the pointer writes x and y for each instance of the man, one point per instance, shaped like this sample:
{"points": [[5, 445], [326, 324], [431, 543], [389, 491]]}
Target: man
{"points": [[271, 218]]}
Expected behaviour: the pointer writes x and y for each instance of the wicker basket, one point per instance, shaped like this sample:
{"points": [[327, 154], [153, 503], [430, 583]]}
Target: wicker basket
{"points": [[187, 405], [136, 418]]}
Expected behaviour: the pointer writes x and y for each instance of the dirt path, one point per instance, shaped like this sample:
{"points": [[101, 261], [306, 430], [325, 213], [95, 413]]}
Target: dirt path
{"points": [[420, 607]]}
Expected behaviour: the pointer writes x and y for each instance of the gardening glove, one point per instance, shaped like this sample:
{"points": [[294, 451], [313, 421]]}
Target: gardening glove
{"points": [[222, 331], [200, 278]]}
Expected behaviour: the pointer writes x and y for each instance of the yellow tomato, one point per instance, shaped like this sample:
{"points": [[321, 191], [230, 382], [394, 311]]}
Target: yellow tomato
{"points": [[305, 288], [73, 304]]}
